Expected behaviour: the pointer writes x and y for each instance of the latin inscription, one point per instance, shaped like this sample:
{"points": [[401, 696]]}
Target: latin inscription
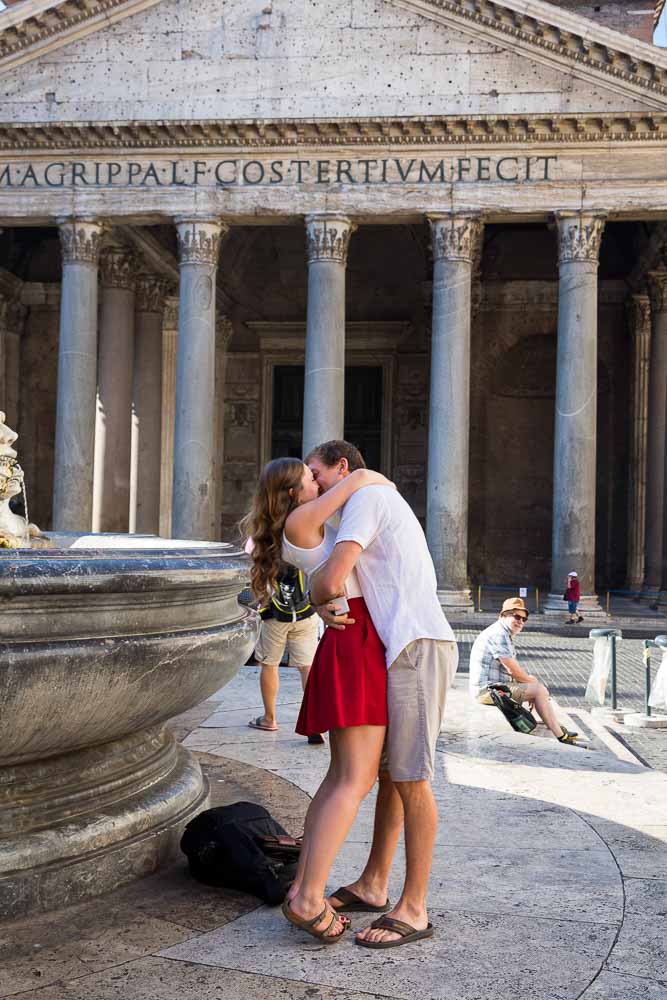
{"points": [[242, 172]]}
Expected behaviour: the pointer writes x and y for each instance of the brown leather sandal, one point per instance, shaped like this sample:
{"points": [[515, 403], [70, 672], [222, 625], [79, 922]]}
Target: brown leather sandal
{"points": [[351, 903], [407, 932], [309, 925]]}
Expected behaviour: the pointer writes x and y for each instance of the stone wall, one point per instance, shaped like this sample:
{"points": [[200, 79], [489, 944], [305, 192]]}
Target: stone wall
{"points": [[248, 59]]}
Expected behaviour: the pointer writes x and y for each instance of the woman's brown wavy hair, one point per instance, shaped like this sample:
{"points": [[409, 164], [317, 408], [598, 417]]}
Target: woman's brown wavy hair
{"points": [[264, 522]]}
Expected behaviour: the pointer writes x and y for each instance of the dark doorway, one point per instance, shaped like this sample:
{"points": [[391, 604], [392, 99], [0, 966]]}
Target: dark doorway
{"points": [[363, 411]]}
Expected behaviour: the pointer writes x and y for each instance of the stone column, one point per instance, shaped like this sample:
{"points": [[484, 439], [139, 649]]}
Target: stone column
{"points": [[111, 480], [456, 242], [194, 430], [77, 377], [327, 241], [657, 424], [573, 529], [223, 334], [639, 314], [147, 406], [169, 344]]}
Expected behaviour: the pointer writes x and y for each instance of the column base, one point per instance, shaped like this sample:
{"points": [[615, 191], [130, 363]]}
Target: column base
{"points": [[456, 600], [589, 607], [652, 597]]}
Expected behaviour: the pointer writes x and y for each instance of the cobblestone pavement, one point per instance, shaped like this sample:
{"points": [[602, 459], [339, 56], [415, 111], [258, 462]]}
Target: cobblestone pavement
{"points": [[564, 662]]}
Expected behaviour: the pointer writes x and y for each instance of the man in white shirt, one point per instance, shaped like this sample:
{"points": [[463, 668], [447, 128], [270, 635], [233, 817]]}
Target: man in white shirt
{"points": [[381, 538]]}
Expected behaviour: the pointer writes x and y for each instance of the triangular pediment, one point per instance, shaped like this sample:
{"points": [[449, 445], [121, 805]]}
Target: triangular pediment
{"points": [[168, 61]]}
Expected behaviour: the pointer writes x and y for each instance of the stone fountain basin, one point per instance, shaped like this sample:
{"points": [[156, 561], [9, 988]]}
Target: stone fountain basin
{"points": [[102, 639]]}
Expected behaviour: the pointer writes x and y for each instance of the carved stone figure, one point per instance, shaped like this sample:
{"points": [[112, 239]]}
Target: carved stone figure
{"points": [[15, 531]]}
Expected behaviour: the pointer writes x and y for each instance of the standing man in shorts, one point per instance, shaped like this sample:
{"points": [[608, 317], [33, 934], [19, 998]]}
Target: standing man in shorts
{"points": [[382, 539], [288, 621]]}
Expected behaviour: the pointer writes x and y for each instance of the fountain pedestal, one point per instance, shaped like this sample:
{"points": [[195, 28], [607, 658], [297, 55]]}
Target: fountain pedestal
{"points": [[104, 638]]}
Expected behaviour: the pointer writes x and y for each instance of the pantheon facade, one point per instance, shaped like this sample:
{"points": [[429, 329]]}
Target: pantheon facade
{"points": [[231, 230]]}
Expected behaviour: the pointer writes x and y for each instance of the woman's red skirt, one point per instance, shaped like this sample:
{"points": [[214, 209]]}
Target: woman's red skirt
{"points": [[347, 683]]}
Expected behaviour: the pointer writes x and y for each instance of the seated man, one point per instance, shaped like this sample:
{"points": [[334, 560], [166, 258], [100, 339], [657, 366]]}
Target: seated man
{"points": [[493, 661]]}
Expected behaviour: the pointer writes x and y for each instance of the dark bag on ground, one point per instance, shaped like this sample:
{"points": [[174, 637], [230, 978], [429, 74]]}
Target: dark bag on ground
{"points": [[241, 846], [519, 718]]}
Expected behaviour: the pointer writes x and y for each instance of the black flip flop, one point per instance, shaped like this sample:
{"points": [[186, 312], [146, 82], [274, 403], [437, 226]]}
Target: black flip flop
{"points": [[351, 903], [408, 933]]}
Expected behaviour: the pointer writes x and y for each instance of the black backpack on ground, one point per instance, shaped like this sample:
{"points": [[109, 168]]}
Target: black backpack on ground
{"points": [[241, 846]]}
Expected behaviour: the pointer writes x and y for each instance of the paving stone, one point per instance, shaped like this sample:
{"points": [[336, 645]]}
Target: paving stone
{"points": [[641, 948], [612, 986], [472, 956], [162, 979]]}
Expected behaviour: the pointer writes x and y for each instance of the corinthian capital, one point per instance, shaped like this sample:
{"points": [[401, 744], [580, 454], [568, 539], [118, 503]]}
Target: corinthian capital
{"points": [[658, 289], [579, 237], [223, 330], [639, 315], [328, 237], [170, 314], [118, 267], [199, 240], [80, 241], [151, 292], [12, 314], [456, 237]]}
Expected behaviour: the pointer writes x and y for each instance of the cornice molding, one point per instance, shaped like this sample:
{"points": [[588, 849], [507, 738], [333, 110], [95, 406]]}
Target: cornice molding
{"points": [[561, 35], [471, 130], [35, 27]]}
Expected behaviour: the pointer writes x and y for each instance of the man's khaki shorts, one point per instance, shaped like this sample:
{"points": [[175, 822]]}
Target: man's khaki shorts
{"points": [[299, 637], [417, 684], [517, 692]]}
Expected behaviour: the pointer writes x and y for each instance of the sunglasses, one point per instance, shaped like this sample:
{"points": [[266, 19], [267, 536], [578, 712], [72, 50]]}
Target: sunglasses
{"points": [[520, 618]]}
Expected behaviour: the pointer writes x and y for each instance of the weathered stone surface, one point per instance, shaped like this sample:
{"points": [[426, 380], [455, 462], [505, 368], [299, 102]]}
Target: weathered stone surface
{"points": [[94, 791], [365, 48]]}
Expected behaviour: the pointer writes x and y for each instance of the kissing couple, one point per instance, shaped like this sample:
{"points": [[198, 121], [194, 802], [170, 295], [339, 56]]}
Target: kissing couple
{"points": [[377, 685]]}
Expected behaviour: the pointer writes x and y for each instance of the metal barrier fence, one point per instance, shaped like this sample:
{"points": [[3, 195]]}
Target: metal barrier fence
{"points": [[630, 603], [626, 603], [493, 596]]}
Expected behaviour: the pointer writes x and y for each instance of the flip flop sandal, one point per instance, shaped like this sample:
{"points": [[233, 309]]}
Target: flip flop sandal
{"points": [[258, 724], [408, 933], [309, 925], [351, 903]]}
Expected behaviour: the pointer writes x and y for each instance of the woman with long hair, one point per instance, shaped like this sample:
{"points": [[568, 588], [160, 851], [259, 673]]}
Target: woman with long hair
{"points": [[346, 692]]}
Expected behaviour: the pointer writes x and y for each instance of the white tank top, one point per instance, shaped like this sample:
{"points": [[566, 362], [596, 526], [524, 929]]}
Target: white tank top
{"points": [[308, 560]]}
